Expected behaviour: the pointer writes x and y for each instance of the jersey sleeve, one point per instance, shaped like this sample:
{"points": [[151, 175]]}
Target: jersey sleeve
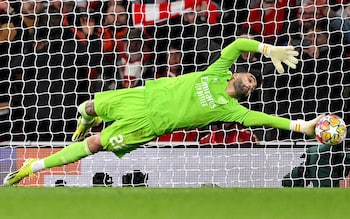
{"points": [[230, 54], [255, 118]]}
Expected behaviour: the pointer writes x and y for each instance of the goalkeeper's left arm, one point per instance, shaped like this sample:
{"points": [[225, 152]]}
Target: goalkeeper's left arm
{"points": [[255, 118]]}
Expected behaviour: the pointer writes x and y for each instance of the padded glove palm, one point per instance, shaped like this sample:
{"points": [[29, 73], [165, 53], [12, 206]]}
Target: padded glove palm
{"points": [[279, 55]]}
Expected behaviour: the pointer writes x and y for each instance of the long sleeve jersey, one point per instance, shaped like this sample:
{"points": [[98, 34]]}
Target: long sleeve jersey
{"points": [[197, 99]]}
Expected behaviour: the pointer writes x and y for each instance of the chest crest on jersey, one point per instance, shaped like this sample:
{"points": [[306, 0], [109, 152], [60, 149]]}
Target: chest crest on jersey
{"points": [[222, 100]]}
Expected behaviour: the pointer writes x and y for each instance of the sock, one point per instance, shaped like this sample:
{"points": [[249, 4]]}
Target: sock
{"points": [[86, 119], [69, 154], [38, 165]]}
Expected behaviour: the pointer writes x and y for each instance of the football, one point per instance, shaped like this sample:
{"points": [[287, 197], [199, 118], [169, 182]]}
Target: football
{"points": [[331, 130]]}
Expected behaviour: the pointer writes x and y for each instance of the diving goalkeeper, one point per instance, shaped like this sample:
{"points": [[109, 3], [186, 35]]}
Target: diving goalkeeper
{"points": [[190, 101]]}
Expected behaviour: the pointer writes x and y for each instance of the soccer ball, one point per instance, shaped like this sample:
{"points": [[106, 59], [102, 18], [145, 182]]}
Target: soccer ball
{"points": [[331, 130]]}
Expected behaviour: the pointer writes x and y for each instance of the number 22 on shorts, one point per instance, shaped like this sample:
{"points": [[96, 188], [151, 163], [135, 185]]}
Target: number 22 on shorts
{"points": [[117, 141]]}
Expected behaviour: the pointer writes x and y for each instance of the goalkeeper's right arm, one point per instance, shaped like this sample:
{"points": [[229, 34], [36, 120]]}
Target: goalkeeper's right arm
{"points": [[255, 118]]}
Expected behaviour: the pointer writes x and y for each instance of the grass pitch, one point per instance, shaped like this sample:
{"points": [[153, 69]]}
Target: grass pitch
{"points": [[159, 203]]}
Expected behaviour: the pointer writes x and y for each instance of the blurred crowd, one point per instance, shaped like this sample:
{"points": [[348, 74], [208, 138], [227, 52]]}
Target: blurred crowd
{"points": [[54, 54]]}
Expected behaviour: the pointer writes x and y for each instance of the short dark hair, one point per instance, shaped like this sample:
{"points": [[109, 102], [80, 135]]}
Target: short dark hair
{"points": [[255, 69], [258, 76]]}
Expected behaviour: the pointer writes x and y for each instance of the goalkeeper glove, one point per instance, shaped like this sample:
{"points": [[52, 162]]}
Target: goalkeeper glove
{"points": [[306, 127], [279, 54]]}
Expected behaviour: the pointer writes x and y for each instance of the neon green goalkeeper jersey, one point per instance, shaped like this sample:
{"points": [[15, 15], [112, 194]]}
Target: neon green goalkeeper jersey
{"points": [[197, 99]]}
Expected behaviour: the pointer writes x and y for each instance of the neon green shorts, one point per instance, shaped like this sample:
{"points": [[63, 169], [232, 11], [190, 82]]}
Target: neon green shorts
{"points": [[130, 127]]}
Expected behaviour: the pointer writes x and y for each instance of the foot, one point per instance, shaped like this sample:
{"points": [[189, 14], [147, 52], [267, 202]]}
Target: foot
{"points": [[82, 129], [16, 176]]}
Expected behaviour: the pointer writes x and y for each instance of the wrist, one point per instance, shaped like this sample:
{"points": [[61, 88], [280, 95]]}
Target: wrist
{"points": [[297, 125], [262, 48]]}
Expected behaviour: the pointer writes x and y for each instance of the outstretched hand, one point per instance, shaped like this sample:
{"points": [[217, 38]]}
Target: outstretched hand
{"points": [[308, 127], [285, 54]]}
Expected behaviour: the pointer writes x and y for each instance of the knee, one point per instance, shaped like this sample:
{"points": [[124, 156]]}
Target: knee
{"points": [[90, 109], [94, 143], [87, 108]]}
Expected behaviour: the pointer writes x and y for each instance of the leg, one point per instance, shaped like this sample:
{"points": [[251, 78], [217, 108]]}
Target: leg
{"points": [[72, 153], [69, 154], [87, 120]]}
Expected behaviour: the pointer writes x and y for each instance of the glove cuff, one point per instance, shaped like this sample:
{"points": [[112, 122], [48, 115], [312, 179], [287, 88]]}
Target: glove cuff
{"points": [[263, 49], [296, 125]]}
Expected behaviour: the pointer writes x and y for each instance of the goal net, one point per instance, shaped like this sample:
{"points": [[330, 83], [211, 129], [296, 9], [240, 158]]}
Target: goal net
{"points": [[56, 54]]}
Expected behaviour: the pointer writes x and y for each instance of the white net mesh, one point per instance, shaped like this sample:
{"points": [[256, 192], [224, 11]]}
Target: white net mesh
{"points": [[56, 54]]}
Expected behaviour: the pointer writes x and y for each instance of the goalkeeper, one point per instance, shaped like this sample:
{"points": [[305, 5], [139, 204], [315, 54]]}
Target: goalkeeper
{"points": [[190, 101]]}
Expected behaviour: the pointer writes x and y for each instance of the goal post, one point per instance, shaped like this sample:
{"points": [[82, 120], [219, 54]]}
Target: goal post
{"points": [[56, 54]]}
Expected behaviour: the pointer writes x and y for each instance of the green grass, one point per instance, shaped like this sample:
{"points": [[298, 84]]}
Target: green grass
{"points": [[156, 203]]}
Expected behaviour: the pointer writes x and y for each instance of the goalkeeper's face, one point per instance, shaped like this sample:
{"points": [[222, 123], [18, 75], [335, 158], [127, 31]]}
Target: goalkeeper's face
{"points": [[243, 84]]}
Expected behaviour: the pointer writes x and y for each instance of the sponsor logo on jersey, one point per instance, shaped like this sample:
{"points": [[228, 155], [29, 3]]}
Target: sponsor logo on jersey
{"points": [[203, 93]]}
